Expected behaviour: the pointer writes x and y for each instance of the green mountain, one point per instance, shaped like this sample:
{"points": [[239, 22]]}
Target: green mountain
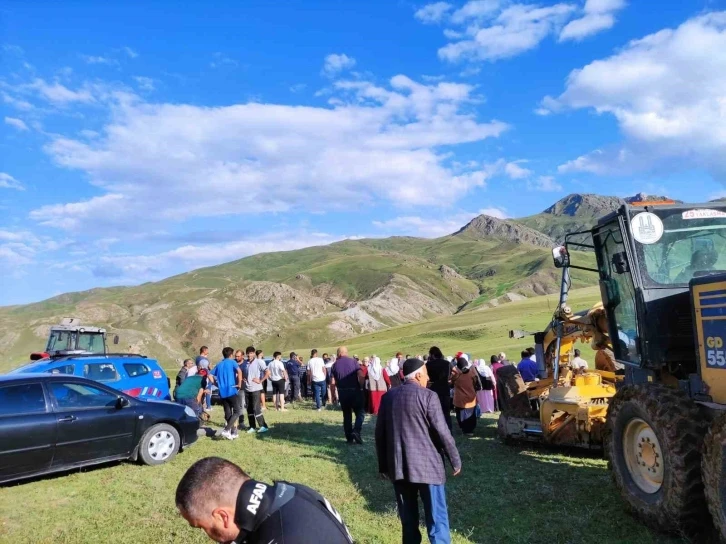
{"points": [[578, 212], [313, 296]]}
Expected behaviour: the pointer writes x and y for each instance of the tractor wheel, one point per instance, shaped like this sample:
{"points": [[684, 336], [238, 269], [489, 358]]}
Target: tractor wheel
{"points": [[714, 476], [653, 441]]}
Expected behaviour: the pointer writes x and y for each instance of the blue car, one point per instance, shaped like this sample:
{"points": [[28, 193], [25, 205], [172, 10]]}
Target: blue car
{"points": [[134, 375]]}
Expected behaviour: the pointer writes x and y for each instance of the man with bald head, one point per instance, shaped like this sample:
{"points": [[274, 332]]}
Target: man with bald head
{"points": [[221, 499], [348, 379]]}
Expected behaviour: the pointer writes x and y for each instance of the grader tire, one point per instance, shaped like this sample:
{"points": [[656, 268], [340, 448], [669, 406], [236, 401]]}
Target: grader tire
{"points": [[653, 441], [714, 476]]}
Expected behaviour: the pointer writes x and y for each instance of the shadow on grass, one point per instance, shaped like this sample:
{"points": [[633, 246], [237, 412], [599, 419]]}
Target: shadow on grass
{"points": [[504, 494]]}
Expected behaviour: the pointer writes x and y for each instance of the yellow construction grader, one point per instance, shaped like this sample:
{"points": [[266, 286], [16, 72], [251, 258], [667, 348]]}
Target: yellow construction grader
{"points": [[662, 272], [572, 412]]}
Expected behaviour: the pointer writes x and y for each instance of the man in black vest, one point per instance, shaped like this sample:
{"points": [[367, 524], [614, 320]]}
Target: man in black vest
{"points": [[218, 497]]}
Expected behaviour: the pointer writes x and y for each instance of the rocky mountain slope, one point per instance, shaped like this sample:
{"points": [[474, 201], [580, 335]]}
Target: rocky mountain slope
{"points": [[319, 295]]}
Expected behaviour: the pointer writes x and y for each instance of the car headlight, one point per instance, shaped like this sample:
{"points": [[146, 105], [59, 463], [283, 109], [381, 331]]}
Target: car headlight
{"points": [[188, 411]]}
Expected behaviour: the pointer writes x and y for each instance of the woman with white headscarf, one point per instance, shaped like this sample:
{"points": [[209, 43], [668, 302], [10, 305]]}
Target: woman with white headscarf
{"points": [[393, 371], [378, 383], [485, 397]]}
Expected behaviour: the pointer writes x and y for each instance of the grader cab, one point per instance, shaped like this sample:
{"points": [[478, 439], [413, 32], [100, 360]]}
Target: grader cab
{"points": [[662, 271]]}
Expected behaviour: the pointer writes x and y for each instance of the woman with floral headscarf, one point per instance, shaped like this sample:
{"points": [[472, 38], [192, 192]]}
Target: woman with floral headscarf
{"points": [[377, 385]]}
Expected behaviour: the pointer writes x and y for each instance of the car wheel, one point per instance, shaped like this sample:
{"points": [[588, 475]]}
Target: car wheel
{"points": [[159, 444]]}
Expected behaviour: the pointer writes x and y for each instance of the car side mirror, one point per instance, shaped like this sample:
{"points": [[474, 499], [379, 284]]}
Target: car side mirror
{"points": [[122, 402], [561, 257], [620, 263], [115, 340]]}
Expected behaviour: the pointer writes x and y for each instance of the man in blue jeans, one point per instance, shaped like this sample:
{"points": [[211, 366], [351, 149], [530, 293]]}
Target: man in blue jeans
{"points": [[410, 419], [316, 378]]}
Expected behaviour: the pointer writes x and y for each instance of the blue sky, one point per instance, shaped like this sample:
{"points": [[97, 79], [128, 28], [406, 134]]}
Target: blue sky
{"points": [[141, 139]]}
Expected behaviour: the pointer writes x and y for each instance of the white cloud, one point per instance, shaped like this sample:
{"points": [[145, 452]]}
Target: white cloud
{"points": [[514, 171], [599, 15], [145, 83], [489, 30], [17, 103], [432, 13], [220, 59], [130, 52], [19, 248], [476, 10], [334, 64], [666, 92], [544, 183], [16, 123], [298, 87], [134, 268], [91, 59], [491, 34], [433, 227], [55, 92], [9, 182], [175, 162]]}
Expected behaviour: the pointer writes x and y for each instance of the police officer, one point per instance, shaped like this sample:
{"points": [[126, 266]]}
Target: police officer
{"points": [[218, 497]]}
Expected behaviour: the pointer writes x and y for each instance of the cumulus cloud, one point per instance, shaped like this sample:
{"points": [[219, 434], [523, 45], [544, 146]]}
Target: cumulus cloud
{"points": [[55, 93], [489, 30], [599, 15], [544, 183], [16, 123], [123, 268], [514, 171], [334, 64], [220, 60], [144, 83], [436, 227], [432, 13], [175, 162], [20, 248], [93, 59], [9, 182], [666, 92], [491, 33]]}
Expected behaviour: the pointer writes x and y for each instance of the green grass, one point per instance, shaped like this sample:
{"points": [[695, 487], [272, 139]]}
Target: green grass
{"points": [[482, 332], [504, 494]]}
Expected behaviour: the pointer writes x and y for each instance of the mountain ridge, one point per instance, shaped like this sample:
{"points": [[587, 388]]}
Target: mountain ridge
{"points": [[321, 294]]}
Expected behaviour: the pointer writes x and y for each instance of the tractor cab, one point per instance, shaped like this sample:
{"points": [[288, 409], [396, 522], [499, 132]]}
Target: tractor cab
{"points": [[70, 337], [648, 259]]}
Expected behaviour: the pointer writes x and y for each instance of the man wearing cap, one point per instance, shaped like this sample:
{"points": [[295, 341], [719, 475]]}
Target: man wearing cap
{"points": [[410, 419]]}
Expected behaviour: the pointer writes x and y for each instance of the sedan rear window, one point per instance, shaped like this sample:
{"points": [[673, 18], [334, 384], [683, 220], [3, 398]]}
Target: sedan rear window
{"points": [[100, 372], [24, 398], [136, 369]]}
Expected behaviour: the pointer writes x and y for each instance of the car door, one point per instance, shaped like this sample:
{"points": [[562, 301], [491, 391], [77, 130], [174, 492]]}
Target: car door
{"points": [[27, 428], [91, 426]]}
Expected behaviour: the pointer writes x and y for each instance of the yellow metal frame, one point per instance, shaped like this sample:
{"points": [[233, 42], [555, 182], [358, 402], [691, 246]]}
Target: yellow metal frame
{"points": [[713, 378]]}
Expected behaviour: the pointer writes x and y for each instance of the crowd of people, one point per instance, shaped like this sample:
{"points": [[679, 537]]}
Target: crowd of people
{"points": [[465, 386], [413, 397]]}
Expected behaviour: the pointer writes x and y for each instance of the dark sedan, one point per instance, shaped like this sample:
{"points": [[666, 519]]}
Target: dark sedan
{"points": [[50, 423]]}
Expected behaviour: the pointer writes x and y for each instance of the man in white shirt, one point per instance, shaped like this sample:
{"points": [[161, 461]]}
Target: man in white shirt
{"points": [[278, 376], [316, 377], [578, 363]]}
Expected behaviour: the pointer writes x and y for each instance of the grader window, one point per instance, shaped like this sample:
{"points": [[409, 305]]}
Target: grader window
{"points": [[692, 245]]}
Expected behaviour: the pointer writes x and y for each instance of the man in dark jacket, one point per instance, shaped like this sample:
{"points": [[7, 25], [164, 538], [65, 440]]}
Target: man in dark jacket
{"points": [[221, 499], [348, 380], [293, 373], [439, 372], [410, 420]]}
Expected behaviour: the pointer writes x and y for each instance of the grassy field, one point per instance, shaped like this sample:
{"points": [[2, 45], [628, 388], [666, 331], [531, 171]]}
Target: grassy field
{"points": [[504, 494]]}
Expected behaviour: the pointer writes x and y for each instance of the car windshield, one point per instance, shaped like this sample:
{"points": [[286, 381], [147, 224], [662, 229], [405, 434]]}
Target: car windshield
{"points": [[691, 243]]}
